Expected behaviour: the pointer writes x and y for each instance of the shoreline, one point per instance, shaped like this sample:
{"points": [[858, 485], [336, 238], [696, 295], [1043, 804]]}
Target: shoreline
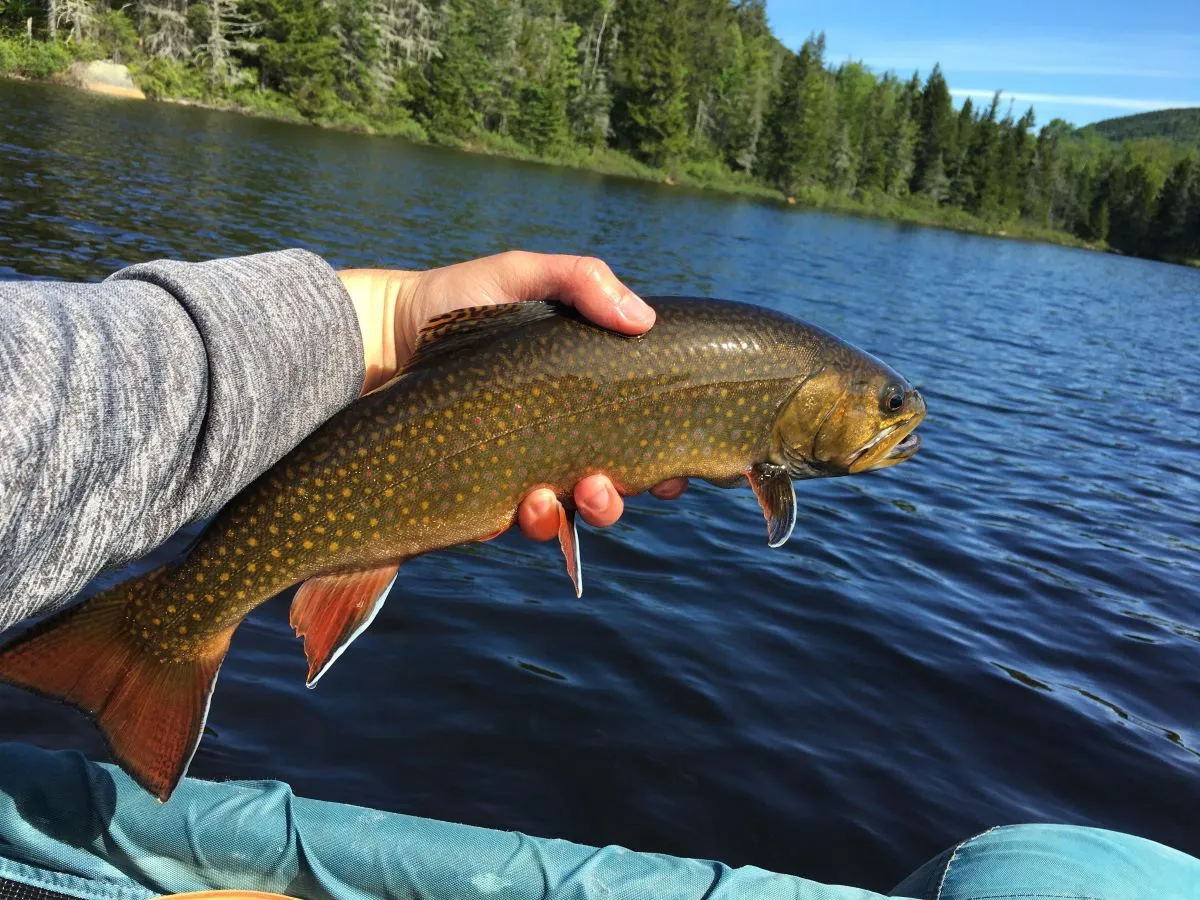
{"points": [[612, 163]]}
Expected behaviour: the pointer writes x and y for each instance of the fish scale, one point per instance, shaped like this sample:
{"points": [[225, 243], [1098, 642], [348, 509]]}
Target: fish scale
{"points": [[496, 402]]}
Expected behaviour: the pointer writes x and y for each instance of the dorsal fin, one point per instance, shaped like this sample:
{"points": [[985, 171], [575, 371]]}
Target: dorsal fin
{"points": [[464, 328]]}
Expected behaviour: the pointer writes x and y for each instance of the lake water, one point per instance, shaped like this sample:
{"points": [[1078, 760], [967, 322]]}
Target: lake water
{"points": [[1004, 629]]}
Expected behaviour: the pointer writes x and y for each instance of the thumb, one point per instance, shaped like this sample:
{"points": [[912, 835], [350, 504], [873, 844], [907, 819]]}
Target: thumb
{"points": [[584, 282]]}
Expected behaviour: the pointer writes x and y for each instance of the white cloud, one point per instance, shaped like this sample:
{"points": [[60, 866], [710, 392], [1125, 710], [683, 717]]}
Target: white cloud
{"points": [[1128, 103]]}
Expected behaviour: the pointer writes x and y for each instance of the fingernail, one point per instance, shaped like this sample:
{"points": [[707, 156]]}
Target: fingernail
{"points": [[543, 503], [635, 310], [598, 501]]}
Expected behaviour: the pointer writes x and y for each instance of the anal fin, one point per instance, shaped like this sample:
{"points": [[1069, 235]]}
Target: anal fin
{"points": [[568, 539], [330, 611], [776, 495]]}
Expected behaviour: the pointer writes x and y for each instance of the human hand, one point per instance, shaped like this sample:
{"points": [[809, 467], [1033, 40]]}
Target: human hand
{"points": [[392, 306]]}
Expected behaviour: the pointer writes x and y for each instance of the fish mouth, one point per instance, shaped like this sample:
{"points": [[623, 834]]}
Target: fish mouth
{"points": [[909, 444], [892, 445]]}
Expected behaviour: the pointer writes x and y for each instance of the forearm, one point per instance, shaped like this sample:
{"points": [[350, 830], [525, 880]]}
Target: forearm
{"points": [[132, 407]]}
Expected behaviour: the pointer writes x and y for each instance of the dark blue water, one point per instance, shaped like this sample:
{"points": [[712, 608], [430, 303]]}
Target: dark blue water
{"points": [[1004, 629]]}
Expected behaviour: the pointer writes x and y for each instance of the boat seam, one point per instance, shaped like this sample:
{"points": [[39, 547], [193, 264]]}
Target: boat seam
{"points": [[954, 856]]}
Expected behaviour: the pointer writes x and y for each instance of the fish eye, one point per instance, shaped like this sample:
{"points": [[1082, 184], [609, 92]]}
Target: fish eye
{"points": [[892, 399]]}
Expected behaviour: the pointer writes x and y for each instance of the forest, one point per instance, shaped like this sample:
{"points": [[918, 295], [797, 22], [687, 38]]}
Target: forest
{"points": [[694, 91]]}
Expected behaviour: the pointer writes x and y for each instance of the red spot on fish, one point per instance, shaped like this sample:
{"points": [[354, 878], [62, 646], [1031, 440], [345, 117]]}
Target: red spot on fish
{"points": [[517, 407]]}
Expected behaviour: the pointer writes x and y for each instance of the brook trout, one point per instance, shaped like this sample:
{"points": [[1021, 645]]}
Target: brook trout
{"points": [[496, 401]]}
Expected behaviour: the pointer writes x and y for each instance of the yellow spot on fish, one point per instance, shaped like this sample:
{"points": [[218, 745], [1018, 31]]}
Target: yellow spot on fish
{"points": [[171, 608], [333, 547], [308, 545], [275, 552], [356, 534], [296, 517], [251, 567], [189, 597], [199, 576], [274, 529], [373, 522], [331, 516], [253, 542], [241, 595], [183, 629]]}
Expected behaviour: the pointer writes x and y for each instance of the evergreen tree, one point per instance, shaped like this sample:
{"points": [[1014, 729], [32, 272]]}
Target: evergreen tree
{"points": [[797, 135], [549, 44], [937, 126], [900, 142], [1175, 203], [650, 104]]}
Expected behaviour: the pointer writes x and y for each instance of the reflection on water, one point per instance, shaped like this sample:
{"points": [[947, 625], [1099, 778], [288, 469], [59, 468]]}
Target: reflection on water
{"points": [[1002, 630]]}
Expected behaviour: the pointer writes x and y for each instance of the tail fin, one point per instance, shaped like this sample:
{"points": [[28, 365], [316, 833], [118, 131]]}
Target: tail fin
{"points": [[151, 712]]}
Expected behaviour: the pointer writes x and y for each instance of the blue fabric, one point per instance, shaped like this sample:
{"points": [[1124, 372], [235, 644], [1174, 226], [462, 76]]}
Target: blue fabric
{"points": [[88, 831], [1056, 861]]}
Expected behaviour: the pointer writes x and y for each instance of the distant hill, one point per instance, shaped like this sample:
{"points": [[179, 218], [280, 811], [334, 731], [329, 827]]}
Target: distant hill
{"points": [[1180, 125]]}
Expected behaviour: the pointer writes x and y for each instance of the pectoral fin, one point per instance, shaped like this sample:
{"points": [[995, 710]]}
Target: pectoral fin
{"points": [[776, 494], [568, 539], [330, 611]]}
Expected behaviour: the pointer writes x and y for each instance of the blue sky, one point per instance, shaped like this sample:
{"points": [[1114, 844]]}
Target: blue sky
{"points": [[1080, 61]]}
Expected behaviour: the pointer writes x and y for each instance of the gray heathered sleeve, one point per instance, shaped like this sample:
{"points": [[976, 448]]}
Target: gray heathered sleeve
{"points": [[132, 407]]}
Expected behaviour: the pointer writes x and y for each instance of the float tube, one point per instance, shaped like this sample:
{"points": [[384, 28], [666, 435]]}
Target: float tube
{"points": [[70, 828]]}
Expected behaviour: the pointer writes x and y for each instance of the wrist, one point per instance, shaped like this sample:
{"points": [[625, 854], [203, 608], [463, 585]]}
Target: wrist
{"points": [[377, 295]]}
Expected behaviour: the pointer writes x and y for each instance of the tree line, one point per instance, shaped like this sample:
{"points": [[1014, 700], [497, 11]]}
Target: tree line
{"points": [[681, 85]]}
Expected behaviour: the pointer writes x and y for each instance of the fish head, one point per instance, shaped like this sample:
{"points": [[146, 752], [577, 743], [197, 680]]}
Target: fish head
{"points": [[855, 414]]}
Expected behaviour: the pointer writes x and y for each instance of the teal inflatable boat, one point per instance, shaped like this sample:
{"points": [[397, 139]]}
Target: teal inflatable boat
{"points": [[74, 829]]}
